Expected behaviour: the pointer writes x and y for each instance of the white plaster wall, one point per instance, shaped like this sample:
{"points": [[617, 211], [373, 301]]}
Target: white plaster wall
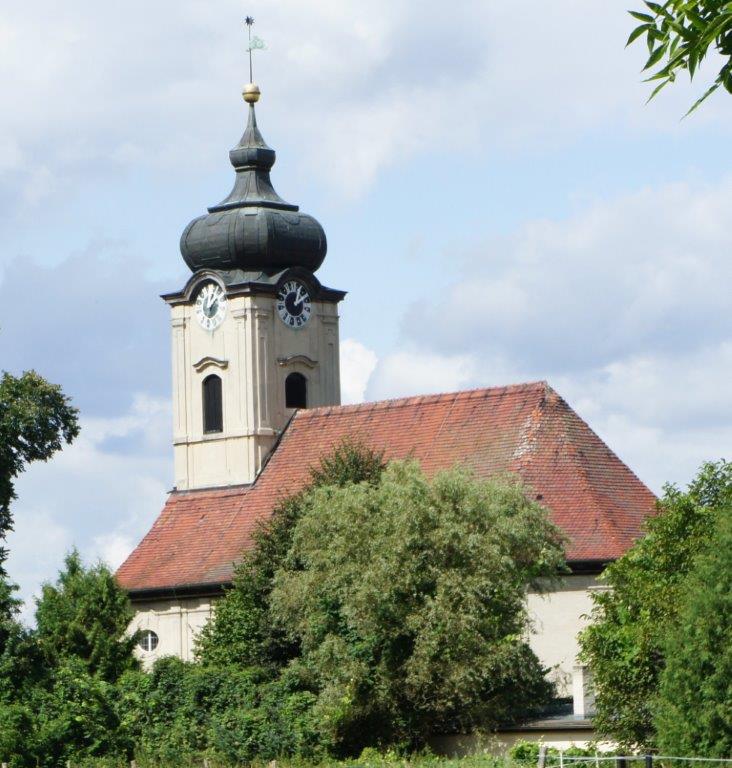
{"points": [[463, 745], [176, 622], [252, 352], [557, 619]]}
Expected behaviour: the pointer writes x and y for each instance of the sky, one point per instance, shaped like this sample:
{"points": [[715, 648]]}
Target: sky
{"points": [[499, 200]]}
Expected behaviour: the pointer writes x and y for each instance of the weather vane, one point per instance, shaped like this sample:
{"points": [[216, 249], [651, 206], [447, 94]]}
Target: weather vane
{"points": [[255, 44]]}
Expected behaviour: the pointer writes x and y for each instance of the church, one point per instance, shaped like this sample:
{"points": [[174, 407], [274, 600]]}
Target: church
{"points": [[256, 402]]}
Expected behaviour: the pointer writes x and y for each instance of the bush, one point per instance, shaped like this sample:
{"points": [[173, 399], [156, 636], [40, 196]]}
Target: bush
{"points": [[181, 711], [76, 717], [281, 722]]}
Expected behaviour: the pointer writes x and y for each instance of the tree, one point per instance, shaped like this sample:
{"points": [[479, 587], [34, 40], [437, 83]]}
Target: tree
{"points": [[680, 34], [694, 711], [242, 632], [35, 420], [623, 644], [59, 697], [407, 598], [85, 616]]}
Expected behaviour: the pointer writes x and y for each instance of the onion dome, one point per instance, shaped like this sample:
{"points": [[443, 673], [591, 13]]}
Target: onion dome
{"points": [[253, 228]]}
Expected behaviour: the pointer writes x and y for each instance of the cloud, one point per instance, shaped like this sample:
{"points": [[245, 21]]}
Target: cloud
{"points": [[357, 365], [663, 415], [664, 391], [37, 550], [11, 155], [372, 84], [113, 548], [644, 272], [83, 321], [92, 495], [116, 134], [415, 372], [622, 307]]}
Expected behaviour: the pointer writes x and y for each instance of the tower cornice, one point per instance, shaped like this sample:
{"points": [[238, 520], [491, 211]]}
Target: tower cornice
{"points": [[240, 283]]}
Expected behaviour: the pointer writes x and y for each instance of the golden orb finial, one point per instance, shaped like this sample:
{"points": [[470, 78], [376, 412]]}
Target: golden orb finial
{"points": [[251, 93]]}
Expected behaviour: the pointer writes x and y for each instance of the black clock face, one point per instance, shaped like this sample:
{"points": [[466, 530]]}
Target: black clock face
{"points": [[293, 304]]}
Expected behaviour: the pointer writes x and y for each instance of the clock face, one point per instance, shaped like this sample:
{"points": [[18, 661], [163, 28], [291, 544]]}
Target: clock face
{"points": [[211, 306], [293, 304]]}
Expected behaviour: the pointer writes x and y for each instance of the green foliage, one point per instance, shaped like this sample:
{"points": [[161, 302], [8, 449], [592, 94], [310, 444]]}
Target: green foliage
{"points": [[349, 463], [243, 632], [180, 712], [376, 605], [71, 715], [75, 716], [21, 664], [624, 643], [16, 722], [527, 753], [694, 710], [85, 616], [245, 638], [680, 34], [58, 698], [35, 420], [412, 618]]}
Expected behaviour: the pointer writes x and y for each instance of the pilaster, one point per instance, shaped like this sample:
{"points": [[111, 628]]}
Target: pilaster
{"points": [[252, 352]]}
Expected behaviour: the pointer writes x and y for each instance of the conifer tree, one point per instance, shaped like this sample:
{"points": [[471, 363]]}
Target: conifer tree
{"points": [[694, 710], [84, 616]]}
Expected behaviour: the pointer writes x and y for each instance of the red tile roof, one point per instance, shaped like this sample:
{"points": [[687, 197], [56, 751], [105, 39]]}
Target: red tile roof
{"points": [[528, 429]]}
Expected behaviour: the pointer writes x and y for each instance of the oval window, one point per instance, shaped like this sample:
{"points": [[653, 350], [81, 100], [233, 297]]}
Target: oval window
{"points": [[148, 640]]}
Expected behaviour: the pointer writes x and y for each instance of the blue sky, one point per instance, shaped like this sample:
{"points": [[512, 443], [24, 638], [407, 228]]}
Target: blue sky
{"points": [[499, 201]]}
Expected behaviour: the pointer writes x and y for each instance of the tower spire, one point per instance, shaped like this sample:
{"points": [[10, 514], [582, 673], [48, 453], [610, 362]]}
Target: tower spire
{"points": [[253, 228], [251, 89]]}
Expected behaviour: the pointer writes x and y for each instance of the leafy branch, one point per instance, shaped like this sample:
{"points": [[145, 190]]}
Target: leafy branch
{"points": [[679, 34]]}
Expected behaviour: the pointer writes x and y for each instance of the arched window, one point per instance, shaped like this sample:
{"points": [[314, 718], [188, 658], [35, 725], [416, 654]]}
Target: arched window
{"points": [[213, 416], [296, 391]]}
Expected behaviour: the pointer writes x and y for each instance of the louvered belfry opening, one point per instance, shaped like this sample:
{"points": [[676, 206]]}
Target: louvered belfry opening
{"points": [[213, 412], [296, 391]]}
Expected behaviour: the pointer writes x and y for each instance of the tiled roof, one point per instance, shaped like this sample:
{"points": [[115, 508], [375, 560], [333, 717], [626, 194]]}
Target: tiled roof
{"points": [[528, 429]]}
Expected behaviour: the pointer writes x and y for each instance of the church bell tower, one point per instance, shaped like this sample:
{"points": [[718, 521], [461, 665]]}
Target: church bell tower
{"points": [[254, 333]]}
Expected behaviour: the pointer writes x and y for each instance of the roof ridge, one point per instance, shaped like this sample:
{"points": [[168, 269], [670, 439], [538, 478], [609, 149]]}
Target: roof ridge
{"points": [[591, 494], [398, 402]]}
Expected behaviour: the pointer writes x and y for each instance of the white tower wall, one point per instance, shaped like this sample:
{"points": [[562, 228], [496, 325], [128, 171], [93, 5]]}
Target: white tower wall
{"points": [[253, 352]]}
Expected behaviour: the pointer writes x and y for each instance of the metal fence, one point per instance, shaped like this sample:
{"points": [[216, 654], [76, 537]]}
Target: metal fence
{"points": [[557, 759]]}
